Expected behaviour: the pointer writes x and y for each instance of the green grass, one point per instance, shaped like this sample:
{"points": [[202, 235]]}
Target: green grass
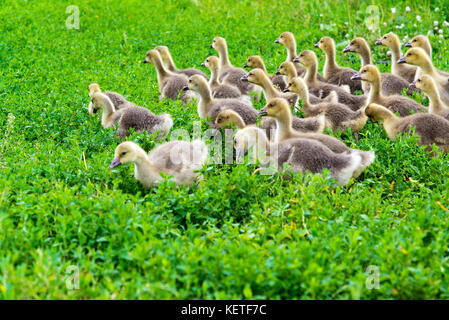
{"points": [[236, 235]]}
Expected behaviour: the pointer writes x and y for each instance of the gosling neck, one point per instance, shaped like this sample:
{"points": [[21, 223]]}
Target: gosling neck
{"points": [[224, 56], [396, 54], [238, 122], [365, 55], [291, 51], [311, 78], [162, 73], [436, 106], [291, 73], [374, 93], [284, 125], [330, 65], [108, 111], [213, 81], [204, 104], [303, 94], [268, 88], [170, 64], [427, 67]]}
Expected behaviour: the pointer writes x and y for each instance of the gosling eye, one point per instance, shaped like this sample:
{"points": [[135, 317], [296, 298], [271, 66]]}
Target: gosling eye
{"points": [[414, 40], [271, 105], [364, 71], [235, 142], [419, 80], [352, 43], [282, 37], [123, 153], [219, 119], [409, 55], [190, 80]]}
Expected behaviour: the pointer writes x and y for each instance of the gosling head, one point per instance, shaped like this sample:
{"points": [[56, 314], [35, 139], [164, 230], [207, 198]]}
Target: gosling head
{"points": [[306, 58], [287, 39], [164, 52], [297, 85], [124, 153], [425, 83], [98, 100], [286, 68], [414, 56], [388, 40], [355, 45], [419, 41], [254, 62], [211, 62], [368, 73], [275, 108], [326, 44], [218, 43], [225, 118], [254, 76], [94, 87], [152, 56], [195, 83]]}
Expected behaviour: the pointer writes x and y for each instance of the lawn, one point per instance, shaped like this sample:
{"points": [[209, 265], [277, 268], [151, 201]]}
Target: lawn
{"points": [[72, 229]]}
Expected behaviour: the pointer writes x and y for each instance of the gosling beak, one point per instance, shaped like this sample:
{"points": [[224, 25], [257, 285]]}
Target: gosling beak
{"points": [[413, 84], [94, 110], [357, 76], [278, 73], [263, 112], [244, 78], [317, 45], [296, 59], [347, 49], [145, 61], [245, 65], [402, 60], [212, 46], [216, 126], [276, 41], [185, 88], [408, 44], [378, 42], [115, 163], [286, 90], [203, 64]]}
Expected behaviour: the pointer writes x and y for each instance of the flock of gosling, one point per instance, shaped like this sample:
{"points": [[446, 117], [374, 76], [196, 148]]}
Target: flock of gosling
{"points": [[328, 101]]}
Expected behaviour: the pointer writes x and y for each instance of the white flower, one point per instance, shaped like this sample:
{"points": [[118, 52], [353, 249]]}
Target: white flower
{"points": [[407, 9], [418, 18], [415, 25], [388, 53], [445, 24], [435, 23], [405, 38], [393, 10], [437, 9], [440, 31], [385, 24], [441, 36], [436, 28], [347, 35]]}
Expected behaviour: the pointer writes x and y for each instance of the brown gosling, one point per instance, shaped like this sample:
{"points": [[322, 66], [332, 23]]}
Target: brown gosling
{"points": [[219, 90], [254, 62], [332, 72], [391, 84], [418, 57], [287, 39], [428, 86], [338, 116], [391, 41], [308, 58], [117, 99], [170, 84], [139, 118], [299, 154], [229, 73], [430, 128], [170, 64], [179, 159], [211, 107], [394, 103]]}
